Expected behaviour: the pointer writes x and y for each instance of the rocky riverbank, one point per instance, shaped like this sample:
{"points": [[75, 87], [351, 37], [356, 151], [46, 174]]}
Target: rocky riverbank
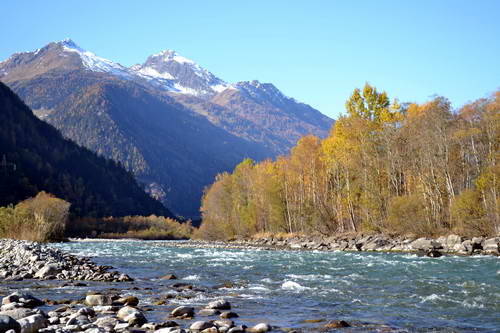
{"points": [[451, 244], [20, 313], [29, 260], [95, 312]]}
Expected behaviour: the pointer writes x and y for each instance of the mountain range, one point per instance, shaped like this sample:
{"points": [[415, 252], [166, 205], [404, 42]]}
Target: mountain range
{"points": [[174, 124]]}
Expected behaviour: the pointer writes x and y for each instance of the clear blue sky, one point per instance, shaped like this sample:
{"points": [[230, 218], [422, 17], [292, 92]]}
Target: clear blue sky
{"points": [[315, 51]]}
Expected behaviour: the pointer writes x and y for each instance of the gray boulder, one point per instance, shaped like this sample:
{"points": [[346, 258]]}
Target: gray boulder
{"points": [[93, 300], [220, 304], [425, 244], [492, 245], [18, 313], [131, 315], [183, 311], [200, 325], [49, 270], [9, 323], [260, 328], [33, 324]]}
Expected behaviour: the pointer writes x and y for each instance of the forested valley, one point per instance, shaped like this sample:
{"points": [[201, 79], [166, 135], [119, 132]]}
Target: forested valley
{"points": [[401, 168]]}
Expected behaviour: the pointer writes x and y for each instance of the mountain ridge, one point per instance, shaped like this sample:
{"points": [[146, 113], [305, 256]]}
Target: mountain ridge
{"points": [[198, 122]]}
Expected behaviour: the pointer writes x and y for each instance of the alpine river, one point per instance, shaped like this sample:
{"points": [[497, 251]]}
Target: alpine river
{"points": [[305, 290]]}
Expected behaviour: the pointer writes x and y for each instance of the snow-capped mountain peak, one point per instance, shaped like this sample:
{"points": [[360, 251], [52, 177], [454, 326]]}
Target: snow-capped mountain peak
{"points": [[92, 62], [171, 55], [183, 74]]}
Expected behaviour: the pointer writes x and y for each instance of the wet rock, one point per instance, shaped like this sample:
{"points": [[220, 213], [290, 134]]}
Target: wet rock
{"points": [[27, 300], [260, 328], [183, 311], [220, 304], [9, 323], [170, 330], [434, 254], [169, 277], [13, 298], [182, 286], [210, 330], [223, 323], [237, 329], [129, 300], [200, 325], [208, 312], [228, 315], [94, 300], [32, 323], [337, 324]]}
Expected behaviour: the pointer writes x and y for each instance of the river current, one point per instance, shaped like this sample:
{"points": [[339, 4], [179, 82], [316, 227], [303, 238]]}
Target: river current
{"points": [[306, 289]]}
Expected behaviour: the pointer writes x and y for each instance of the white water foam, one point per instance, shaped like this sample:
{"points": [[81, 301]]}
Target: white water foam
{"points": [[291, 285]]}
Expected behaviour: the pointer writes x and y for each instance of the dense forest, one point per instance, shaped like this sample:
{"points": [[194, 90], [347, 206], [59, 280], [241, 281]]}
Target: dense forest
{"points": [[34, 157], [385, 167]]}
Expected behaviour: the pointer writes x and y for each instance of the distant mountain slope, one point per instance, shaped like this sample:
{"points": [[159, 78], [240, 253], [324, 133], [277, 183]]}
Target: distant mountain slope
{"points": [[170, 121], [36, 157]]}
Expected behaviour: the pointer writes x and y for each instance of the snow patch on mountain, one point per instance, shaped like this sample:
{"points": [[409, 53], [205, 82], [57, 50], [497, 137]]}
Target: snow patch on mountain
{"points": [[92, 62], [171, 55], [153, 73]]}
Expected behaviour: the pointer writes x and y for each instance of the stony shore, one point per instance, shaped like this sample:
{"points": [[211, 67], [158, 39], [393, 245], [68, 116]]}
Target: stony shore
{"points": [[30, 260], [20, 313], [94, 312], [451, 244]]}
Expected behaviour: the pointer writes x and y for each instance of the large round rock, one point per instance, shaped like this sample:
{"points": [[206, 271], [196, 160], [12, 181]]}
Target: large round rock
{"points": [[183, 311], [220, 304], [8, 323]]}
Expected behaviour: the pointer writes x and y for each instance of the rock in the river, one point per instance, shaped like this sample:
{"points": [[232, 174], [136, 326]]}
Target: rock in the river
{"points": [[183, 311], [129, 300], [228, 315], [434, 254], [200, 325], [337, 324], [13, 298], [8, 323], [169, 277], [237, 329], [208, 312], [94, 300], [260, 328], [220, 304], [22, 300], [33, 324]]}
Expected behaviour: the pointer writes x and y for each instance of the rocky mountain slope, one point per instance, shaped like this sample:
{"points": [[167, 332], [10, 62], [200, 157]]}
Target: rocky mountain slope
{"points": [[36, 157], [171, 122]]}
